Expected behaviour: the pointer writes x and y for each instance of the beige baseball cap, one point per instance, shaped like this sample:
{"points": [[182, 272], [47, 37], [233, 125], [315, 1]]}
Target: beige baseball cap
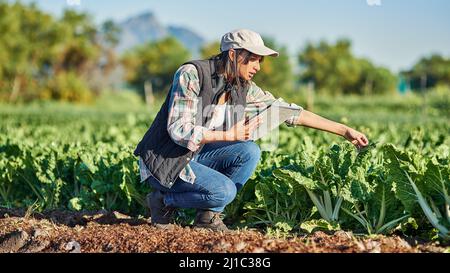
{"points": [[246, 39]]}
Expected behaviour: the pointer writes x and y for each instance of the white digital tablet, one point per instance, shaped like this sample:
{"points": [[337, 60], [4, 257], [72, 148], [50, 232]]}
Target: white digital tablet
{"points": [[272, 116]]}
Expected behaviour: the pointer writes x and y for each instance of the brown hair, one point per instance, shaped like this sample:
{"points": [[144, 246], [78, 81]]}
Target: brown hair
{"points": [[230, 68]]}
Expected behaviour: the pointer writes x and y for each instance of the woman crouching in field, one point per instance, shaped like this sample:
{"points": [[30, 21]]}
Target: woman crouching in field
{"points": [[197, 152]]}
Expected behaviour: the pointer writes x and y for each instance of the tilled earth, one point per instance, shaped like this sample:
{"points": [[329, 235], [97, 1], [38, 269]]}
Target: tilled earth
{"points": [[62, 231]]}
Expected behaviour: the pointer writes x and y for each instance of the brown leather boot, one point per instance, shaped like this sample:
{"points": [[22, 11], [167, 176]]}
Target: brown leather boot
{"points": [[210, 220], [161, 215]]}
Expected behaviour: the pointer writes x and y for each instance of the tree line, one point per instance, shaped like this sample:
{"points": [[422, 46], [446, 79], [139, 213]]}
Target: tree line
{"points": [[71, 59]]}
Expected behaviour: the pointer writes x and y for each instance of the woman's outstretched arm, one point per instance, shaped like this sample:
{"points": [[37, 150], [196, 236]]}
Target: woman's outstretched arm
{"points": [[311, 120]]}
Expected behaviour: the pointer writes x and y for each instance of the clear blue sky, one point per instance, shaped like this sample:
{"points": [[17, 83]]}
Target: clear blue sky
{"points": [[394, 34]]}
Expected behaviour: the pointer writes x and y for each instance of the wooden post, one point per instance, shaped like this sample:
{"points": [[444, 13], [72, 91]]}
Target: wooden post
{"points": [[148, 91], [310, 96], [423, 85]]}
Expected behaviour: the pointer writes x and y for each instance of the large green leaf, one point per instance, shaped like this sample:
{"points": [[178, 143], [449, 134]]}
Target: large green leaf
{"points": [[290, 175], [437, 182], [321, 224], [397, 175]]}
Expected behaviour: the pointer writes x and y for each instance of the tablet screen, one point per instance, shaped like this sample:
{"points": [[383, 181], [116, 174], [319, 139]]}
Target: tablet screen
{"points": [[272, 116]]}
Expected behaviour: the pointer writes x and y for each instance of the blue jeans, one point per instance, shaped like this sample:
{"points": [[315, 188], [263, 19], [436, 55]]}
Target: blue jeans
{"points": [[221, 169]]}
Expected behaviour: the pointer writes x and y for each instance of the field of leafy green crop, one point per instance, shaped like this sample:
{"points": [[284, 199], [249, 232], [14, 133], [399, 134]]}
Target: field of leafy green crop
{"points": [[80, 158]]}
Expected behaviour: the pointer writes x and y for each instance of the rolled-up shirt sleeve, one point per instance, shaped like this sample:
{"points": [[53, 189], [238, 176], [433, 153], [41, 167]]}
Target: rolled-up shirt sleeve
{"points": [[184, 107], [258, 99]]}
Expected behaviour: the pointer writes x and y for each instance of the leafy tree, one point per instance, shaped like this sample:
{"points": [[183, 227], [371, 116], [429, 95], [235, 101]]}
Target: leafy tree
{"points": [[35, 48], [155, 62], [66, 86], [374, 80], [110, 32], [333, 68], [26, 32], [210, 50], [81, 50], [429, 72], [276, 73], [110, 38]]}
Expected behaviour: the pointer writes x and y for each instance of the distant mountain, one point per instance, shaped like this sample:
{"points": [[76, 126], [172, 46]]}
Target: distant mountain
{"points": [[190, 39], [145, 27]]}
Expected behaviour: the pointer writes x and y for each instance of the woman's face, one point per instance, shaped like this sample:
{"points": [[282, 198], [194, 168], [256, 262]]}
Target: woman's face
{"points": [[248, 70]]}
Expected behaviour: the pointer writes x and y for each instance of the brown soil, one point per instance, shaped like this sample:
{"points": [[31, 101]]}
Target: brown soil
{"points": [[60, 231]]}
